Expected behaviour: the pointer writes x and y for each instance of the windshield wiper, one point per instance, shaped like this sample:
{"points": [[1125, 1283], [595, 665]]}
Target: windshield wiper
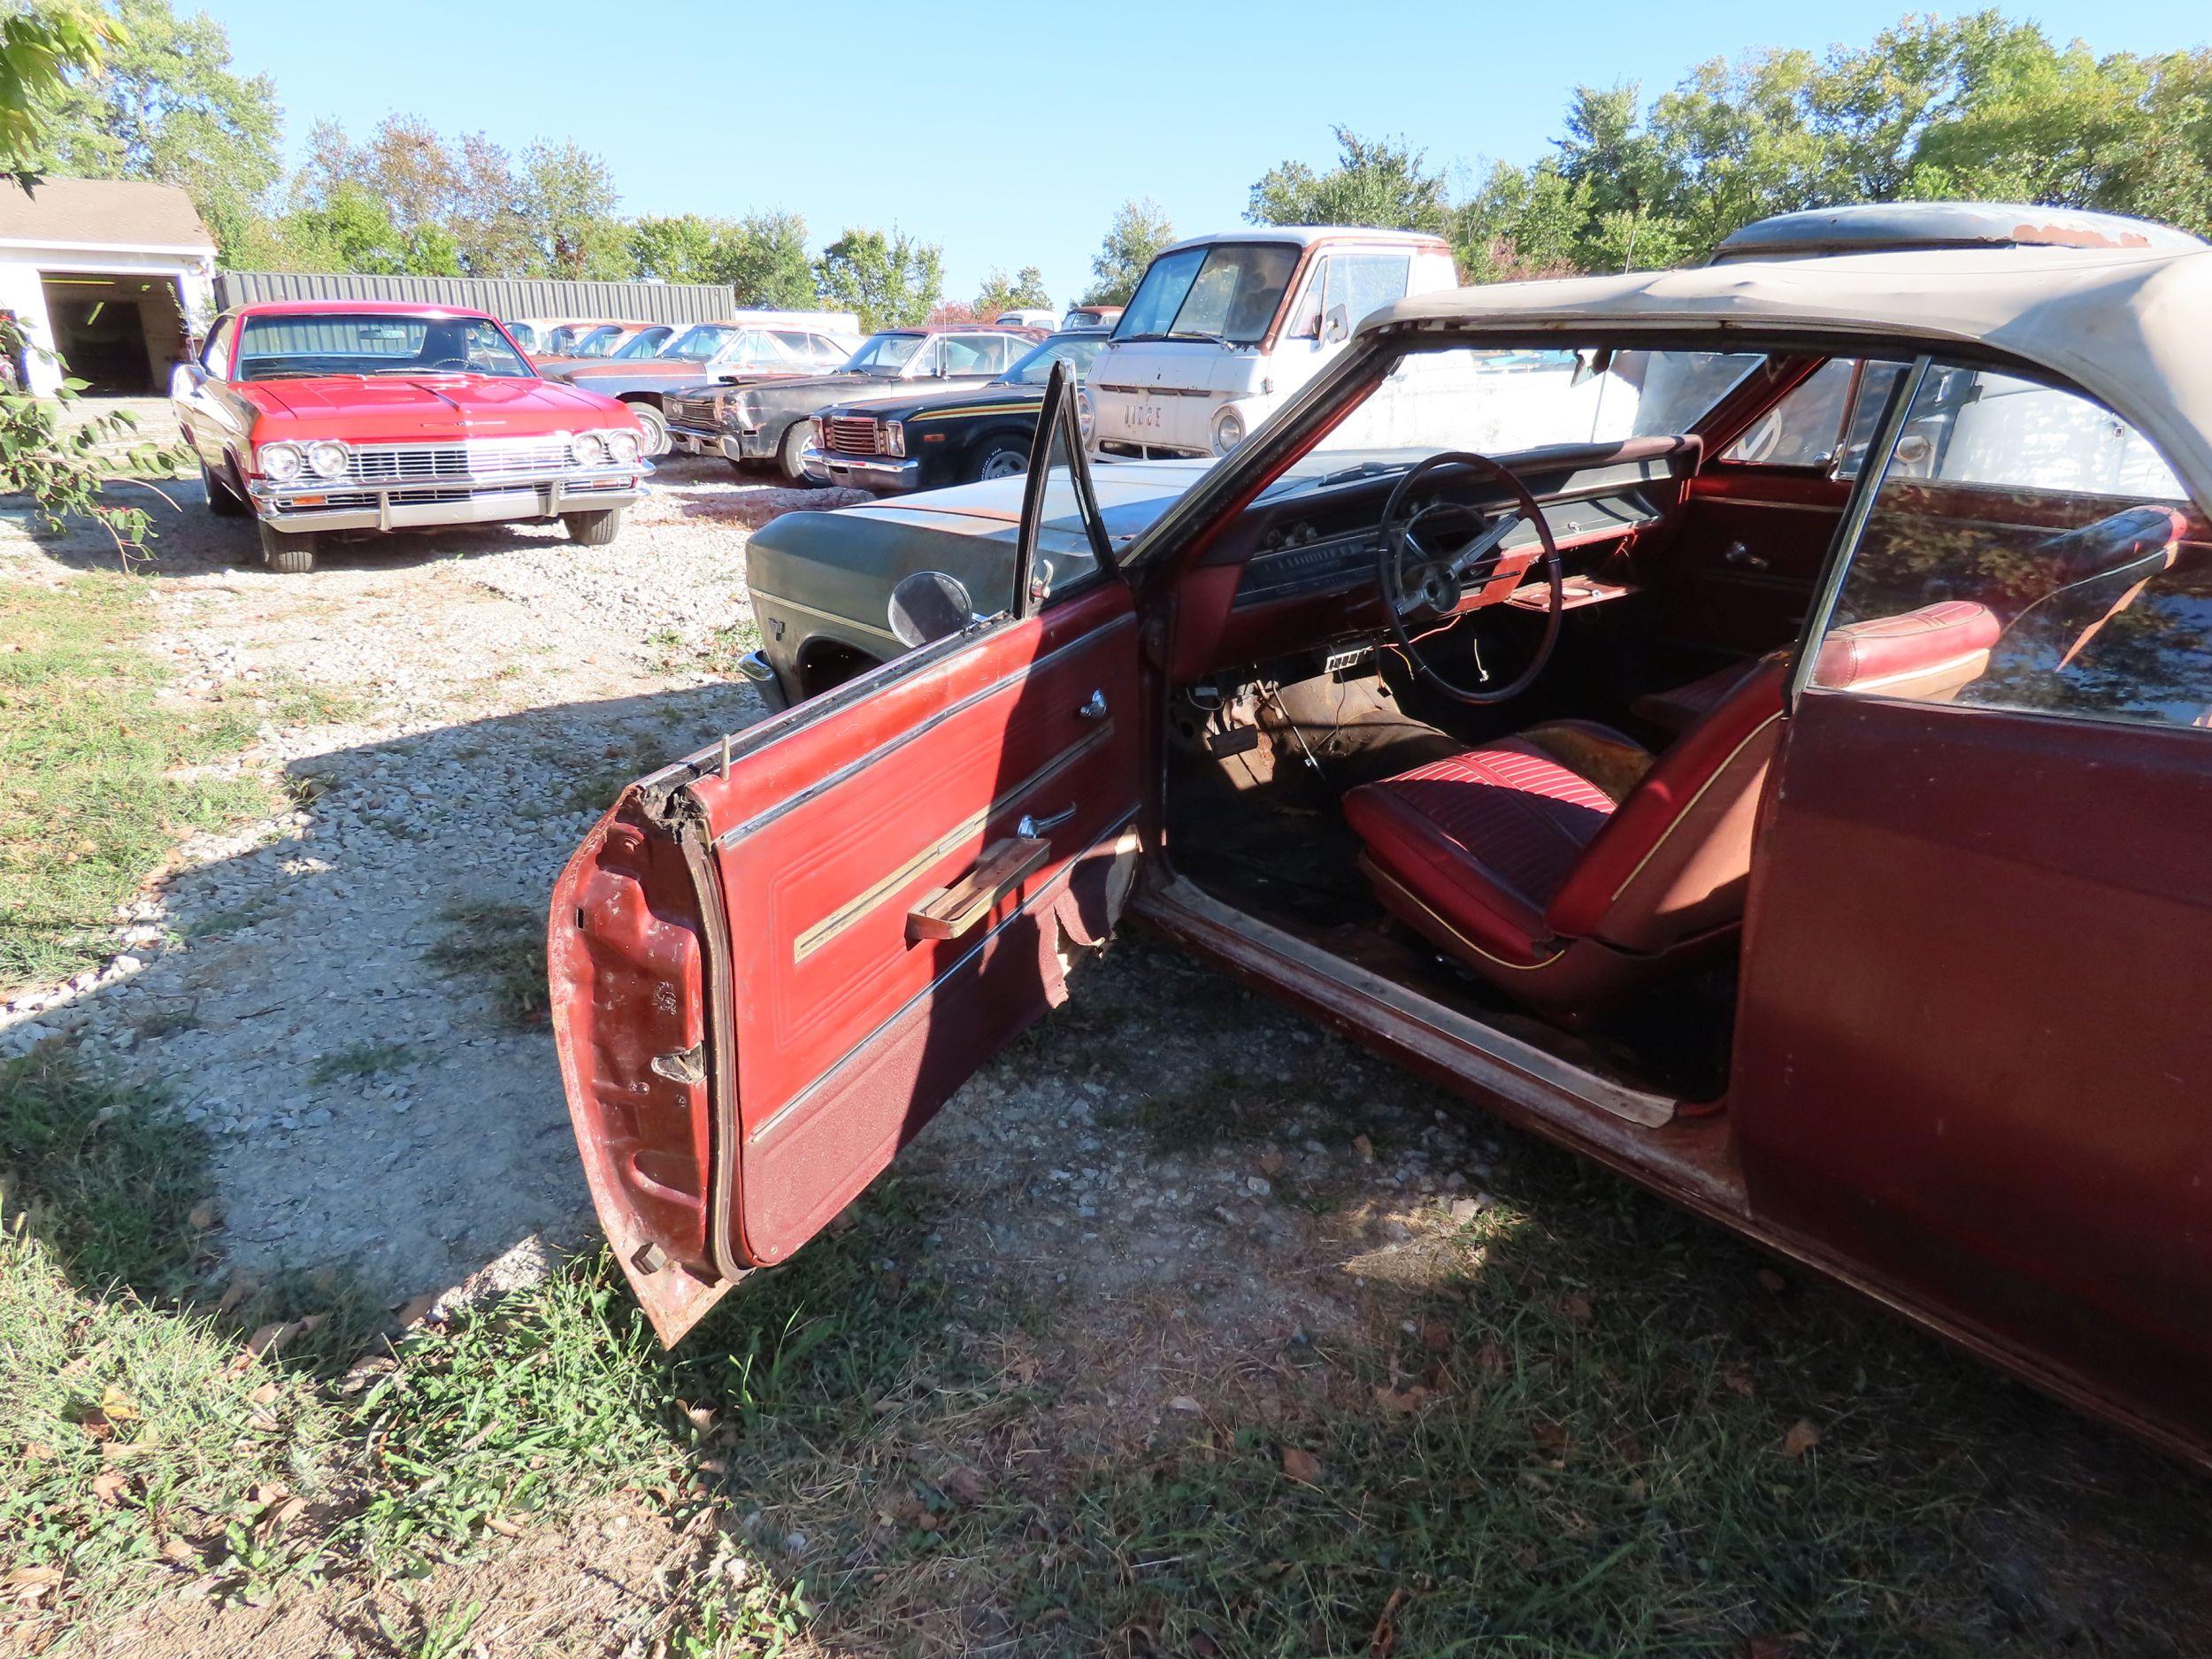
{"points": [[1199, 334]]}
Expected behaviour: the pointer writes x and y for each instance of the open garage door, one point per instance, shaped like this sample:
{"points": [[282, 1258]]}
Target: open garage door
{"points": [[120, 334]]}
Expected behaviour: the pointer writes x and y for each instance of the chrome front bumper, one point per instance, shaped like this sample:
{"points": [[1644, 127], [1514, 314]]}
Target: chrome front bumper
{"points": [[346, 505], [861, 472], [757, 668], [694, 441]]}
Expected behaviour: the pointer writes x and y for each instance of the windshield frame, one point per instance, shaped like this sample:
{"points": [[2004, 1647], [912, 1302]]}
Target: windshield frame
{"points": [[1124, 329], [1046, 351], [429, 318]]}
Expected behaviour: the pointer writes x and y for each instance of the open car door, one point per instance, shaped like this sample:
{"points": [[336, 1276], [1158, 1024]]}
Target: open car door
{"points": [[772, 963]]}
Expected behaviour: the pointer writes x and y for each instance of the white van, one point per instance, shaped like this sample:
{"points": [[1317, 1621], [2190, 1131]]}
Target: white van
{"points": [[1225, 327]]}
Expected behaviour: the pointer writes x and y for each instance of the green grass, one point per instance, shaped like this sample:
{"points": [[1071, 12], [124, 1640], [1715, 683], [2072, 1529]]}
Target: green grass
{"points": [[100, 777], [361, 1061], [501, 947]]}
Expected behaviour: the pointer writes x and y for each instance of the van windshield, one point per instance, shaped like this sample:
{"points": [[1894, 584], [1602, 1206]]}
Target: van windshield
{"points": [[1227, 292]]}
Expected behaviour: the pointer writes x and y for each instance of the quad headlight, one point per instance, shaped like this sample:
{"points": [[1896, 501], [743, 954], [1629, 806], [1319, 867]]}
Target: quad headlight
{"points": [[623, 447], [1085, 417], [327, 459], [279, 462], [588, 449]]}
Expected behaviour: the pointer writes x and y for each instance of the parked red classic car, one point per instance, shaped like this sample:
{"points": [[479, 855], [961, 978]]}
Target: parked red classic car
{"points": [[1751, 724], [316, 415]]}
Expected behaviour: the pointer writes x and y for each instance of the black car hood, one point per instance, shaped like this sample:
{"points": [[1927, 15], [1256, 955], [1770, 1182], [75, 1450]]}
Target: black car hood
{"points": [[988, 395]]}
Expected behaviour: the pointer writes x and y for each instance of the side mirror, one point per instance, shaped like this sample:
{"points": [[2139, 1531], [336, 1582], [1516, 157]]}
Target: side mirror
{"points": [[930, 605], [1336, 326], [185, 379]]}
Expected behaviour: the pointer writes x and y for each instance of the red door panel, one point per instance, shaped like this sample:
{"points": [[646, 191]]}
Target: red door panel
{"points": [[750, 1027], [1740, 573], [1973, 1048]]}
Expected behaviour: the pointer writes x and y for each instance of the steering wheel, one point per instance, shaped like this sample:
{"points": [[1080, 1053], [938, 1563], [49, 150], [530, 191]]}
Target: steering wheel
{"points": [[1420, 584], [458, 365]]}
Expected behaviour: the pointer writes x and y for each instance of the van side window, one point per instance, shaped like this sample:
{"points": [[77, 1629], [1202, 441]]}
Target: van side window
{"points": [[2027, 549], [1365, 283]]}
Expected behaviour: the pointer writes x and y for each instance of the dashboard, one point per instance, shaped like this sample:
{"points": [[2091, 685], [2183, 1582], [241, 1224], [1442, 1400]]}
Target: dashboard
{"points": [[1312, 536]]}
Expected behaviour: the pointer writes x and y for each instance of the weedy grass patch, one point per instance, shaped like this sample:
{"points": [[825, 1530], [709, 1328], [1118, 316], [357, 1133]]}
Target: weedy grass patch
{"points": [[501, 947], [101, 775]]}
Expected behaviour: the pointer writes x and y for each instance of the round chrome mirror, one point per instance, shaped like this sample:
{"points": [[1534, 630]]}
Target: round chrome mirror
{"points": [[929, 605]]}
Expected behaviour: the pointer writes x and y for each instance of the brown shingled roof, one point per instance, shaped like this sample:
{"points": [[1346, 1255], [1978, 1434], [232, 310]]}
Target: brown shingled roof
{"points": [[124, 212]]}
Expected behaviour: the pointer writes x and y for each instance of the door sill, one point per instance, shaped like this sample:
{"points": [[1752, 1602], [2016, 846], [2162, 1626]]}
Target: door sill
{"points": [[1500, 1063]]}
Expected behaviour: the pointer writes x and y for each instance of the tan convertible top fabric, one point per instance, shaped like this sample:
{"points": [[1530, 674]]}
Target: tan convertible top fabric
{"points": [[2135, 329]]}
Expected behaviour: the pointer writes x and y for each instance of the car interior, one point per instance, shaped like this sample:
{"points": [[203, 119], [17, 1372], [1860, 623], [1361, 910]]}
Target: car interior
{"points": [[1514, 760]]}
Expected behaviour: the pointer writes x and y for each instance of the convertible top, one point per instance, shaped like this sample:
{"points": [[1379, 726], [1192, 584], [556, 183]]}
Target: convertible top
{"points": [[2127, 325]]}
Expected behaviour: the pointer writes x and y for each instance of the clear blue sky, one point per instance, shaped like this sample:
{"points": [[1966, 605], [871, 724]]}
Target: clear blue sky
{"points": [[1010, 136]]}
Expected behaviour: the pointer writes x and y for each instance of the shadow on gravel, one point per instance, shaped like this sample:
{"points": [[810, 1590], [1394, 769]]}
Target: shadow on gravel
{"points": [[356, 1016]]}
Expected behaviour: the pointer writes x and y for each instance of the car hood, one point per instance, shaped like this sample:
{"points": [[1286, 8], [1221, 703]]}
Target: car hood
{"points": [[384, 406], [901, 405], [646, 371], [1131, 495]]}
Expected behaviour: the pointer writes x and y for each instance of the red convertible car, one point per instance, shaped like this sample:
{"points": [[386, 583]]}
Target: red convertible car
{"points": [[1751, 724], [317, 416]]}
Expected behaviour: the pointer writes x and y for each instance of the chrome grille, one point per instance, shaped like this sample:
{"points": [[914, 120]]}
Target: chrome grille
{"points": [[849, 435], [472, 458], [696, 412]]}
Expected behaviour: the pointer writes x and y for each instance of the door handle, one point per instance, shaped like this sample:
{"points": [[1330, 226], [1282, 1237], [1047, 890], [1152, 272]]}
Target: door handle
{"points": [[948, 912], [1029, 828], [1737, 554], [1093, 707]]}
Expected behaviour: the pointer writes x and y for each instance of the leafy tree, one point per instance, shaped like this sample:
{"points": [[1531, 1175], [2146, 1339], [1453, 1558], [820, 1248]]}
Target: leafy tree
{"points": [[891, 280], [1375, 182], [762, 257], [39, 50], [999, 296], [568, 200], [676, 249], [165, 105], [1140, 230], [59, 470]]}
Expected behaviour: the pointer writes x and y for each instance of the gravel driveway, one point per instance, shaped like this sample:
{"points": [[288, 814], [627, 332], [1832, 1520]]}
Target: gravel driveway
{"points": [[377, 1110]]}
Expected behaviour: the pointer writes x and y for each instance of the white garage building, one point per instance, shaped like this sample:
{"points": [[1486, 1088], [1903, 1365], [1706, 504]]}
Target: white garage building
{"points": [[116, 275]]}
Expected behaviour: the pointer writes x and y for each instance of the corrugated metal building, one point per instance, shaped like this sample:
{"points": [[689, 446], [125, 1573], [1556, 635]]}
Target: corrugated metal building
{"points": [[633, 301]]}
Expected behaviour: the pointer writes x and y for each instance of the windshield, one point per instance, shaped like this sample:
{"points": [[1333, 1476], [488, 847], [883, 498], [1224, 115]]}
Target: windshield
{"points": [[298, 344], [598, 343], [884, 354], [1502, 403], [1227, 292], [1075, 350], [701, 342], [652, 344]]}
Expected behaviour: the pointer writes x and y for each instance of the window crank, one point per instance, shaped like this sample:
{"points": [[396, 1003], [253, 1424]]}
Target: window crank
{"points": [[1030, 828], [1093, 707], [1739, 554]]}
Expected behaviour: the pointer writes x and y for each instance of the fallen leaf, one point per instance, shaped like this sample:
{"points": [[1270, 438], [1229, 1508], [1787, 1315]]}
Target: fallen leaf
{"points": [[1365, 1147], [116, 1406], [182, 1554], [1490, 1360], [1576, 1307], [1301, 1465], [93, 1422], [502, 1526], [1802, 1438], [1272, 1161], [1552, 1437], [1385, 1636], [37, 1452], [1399, 1401], [1766, 1647], [265, 1395], [1184, 1402], [1436, 1338], [1737, 1382], [241, 1287], [702, 1418], [108, 1484], [964, 1485], [414, 1310], [205, 1215]]}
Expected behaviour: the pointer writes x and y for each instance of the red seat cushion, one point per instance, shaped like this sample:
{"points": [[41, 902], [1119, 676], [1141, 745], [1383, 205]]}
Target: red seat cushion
{"points": [[1484, 838], [1950, 639]]}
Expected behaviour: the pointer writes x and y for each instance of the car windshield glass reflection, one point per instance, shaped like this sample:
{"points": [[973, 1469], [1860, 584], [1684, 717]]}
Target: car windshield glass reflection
{"points": [[295, 345], [598, 343], [884, 354], [1075, 351], [698, 343], [1227, 292], [652, 344]]}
